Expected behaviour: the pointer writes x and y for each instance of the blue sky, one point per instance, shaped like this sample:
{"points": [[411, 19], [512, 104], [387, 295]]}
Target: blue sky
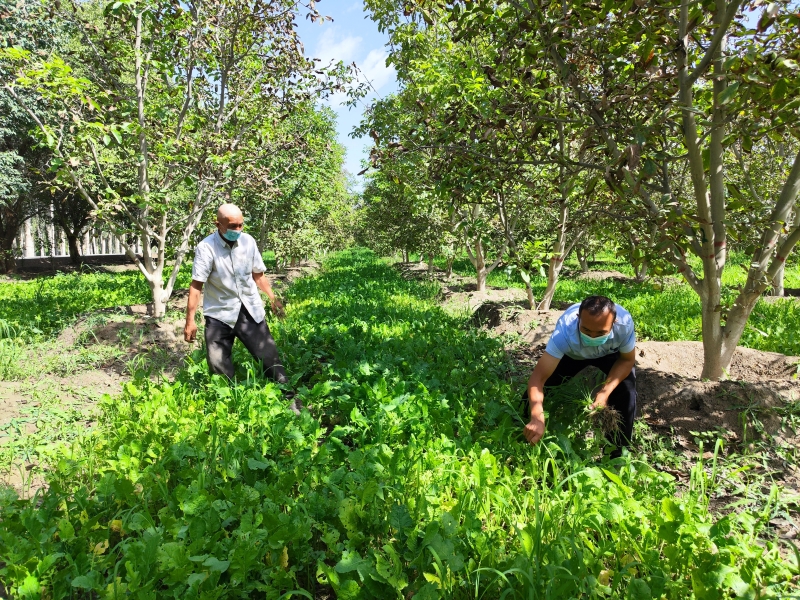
{"points": [[350, 37]]}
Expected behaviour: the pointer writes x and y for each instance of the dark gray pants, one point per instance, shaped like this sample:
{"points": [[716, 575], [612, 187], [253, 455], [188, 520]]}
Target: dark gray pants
{"points": [[255, 337]]}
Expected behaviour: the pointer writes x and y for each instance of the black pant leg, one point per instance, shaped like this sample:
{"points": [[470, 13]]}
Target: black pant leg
{"points": [[219, 344], [566, 369], [259, 342], [622, 399]]}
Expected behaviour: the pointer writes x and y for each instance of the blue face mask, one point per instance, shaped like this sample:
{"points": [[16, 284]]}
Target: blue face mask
{"points": [[598, 341], [231, 235]]}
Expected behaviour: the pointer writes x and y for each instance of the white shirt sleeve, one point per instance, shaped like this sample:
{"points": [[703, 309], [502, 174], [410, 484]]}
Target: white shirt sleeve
{"points": [[258, 261], [203, 263]]}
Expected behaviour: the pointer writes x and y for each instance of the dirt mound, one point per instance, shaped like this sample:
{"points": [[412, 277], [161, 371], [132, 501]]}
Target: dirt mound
{"points": [[686, 360], [602, 275]]}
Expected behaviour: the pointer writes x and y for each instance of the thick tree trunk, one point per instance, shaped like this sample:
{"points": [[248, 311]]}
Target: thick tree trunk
{"points": [[531, 299], [449, 272], [583, 259], [158, 307], [556, 262], [74, 249], [8, 262], [640, 271], [27, 248], [481, 280], [777, 282], [405, 256], [480, 266]]}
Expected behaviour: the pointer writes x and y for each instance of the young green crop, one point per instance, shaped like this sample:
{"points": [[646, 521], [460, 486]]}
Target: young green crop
{"points": [[409, 478]]}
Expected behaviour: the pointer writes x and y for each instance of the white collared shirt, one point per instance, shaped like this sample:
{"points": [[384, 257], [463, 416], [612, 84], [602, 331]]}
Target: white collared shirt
{"points": [[227, 272]]}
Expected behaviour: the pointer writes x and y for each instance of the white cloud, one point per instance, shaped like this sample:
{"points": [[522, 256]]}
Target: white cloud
{"points": [[375, 70], [333, 47]]}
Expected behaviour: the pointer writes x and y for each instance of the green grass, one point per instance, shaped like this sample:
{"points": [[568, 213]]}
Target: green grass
{"points": [[665, 311], [410, 478], [47, 304]]}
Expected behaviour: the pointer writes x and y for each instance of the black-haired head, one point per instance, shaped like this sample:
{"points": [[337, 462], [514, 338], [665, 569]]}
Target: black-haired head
{"points": [[597, 305]]}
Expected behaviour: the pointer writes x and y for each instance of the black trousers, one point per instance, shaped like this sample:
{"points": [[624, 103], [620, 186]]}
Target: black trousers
{"points": [[255, 337], [622, 399]]}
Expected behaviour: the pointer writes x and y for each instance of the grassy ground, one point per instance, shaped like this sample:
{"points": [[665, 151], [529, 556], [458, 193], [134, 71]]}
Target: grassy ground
{"points": [[665, 310], [410, 477]]}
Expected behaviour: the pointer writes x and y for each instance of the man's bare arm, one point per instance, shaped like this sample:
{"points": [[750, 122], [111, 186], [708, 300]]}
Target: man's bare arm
{"points": [[190, 329], [263, 284], [534, 430]]}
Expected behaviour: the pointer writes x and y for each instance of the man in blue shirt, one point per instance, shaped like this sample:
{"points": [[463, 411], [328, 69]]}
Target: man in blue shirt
{"points": [[599, 333]]}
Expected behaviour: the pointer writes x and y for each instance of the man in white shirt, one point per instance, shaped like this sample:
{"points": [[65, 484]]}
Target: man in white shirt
{"points": [[230, 266], [599, 333]]}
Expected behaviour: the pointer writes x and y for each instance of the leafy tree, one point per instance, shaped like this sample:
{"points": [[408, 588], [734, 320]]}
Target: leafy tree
{"points": [[23, 162], [178, 98], [658, 96], [301, 216]]}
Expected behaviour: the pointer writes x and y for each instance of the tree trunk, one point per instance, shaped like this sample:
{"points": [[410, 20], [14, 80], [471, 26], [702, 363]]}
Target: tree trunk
{"points": [[777, 282], [583, 259], [430, 265], [552, 280], [640, 271], [531, 299], [480, 265], [710, 302], [450, 261], [158, 307], [27, 246], [8, 263], [74, 249], [293, 261], [405, 256]]}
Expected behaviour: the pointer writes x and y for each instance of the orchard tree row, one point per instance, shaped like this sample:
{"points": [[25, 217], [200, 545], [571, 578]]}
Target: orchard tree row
{"points": [[526, 129], [141, 116]]}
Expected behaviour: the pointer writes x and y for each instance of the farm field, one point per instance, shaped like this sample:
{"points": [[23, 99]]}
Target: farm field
{"points": [[408, 477]]}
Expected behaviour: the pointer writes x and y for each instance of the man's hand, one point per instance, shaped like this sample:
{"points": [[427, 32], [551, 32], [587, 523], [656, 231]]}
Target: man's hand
{"points": [[600, 400], [277, 308], [190, 331], [535, 429]]}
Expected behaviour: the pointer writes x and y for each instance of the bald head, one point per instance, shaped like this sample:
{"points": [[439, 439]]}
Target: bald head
{"points": [[228, 212], [229, 217]]}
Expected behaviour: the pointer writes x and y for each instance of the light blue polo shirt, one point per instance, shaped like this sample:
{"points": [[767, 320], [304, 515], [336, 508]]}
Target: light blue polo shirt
{"points": [[566, 338]]}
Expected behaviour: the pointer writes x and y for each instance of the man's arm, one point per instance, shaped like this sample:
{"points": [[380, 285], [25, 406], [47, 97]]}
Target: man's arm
{"points": [[263, 284], [534, 430], [190, 329], [621, 369]]}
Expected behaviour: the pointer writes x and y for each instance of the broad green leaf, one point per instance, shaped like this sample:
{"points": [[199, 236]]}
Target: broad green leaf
{"points": [[728, 93], [779, 90], [216, 565], [638, 590]]}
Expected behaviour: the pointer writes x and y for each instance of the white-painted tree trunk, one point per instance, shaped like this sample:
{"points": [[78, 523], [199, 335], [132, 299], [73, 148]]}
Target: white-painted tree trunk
{"points": [[28, 250]]}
